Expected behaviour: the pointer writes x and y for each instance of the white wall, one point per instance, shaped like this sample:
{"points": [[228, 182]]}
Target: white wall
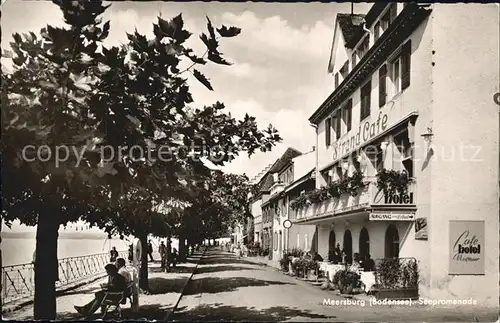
{"points": [[465, 77]]}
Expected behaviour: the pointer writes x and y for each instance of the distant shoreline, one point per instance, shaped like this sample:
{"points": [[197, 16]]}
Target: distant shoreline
{"points": [[62, 235]]}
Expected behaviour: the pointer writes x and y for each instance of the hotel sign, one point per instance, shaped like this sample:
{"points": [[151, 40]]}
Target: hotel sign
{"points": [[466, 248], [366, 131], [391, 216], [379, 198]]}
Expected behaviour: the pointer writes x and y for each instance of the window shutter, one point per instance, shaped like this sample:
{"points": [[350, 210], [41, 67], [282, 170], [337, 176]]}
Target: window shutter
{"points": [[376, 33], [365, 100], [349, 115], [338, 124], [406, 66], [328, 126], [382, 87], [336, 80], [393, 12], [354, 59]]}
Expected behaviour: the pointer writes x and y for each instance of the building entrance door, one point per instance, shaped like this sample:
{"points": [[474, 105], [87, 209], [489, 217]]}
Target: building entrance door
{"points": [[348, 246]]}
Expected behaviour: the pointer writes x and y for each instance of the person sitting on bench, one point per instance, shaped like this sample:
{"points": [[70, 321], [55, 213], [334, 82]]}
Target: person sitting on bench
{"points": [[116, 283]]}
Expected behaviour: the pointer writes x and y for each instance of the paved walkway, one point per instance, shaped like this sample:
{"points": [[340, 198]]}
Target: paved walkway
{"points": [[165, 292], [227, 288]]}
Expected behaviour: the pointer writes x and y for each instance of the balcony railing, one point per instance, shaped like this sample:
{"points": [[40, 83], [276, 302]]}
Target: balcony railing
{"points": [[368, 196], [18, 281]]}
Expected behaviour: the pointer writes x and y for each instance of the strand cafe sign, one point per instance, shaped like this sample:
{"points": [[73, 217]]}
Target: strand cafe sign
{"points": [[466, 248], [366, 131]]}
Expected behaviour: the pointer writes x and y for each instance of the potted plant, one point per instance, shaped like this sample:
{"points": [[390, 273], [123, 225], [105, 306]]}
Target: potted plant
{"points": [[284, 262], [347, 282], [299, 202], [397, 279], [393, 182], [355, 183]]}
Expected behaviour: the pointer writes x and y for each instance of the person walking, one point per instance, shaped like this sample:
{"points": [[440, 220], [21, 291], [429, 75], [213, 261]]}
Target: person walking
{"points": [[113, 254], [150, 251], [162, 249], [168, 254]]}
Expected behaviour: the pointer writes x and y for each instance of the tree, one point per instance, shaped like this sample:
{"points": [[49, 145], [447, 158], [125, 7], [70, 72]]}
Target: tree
{"points": [[68, 89]]}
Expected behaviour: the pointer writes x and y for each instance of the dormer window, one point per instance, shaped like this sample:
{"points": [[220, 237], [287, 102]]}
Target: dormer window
{"points": [[363, 47], [344, 71]]}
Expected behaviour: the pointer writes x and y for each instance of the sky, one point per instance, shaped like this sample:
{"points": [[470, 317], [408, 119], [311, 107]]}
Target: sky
{"points": [[279, 72]]}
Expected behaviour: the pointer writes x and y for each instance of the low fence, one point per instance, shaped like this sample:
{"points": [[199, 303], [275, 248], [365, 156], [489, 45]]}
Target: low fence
{"points": [[18, 281]]}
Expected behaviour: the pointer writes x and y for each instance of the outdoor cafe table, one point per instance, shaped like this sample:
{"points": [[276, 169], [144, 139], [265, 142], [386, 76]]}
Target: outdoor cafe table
{"points": [[366, 277]]}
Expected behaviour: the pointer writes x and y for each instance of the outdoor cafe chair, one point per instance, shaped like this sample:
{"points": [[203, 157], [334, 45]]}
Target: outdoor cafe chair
{"points": [[114, 300]]}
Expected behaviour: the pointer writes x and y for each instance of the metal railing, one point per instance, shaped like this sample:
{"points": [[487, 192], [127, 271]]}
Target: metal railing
{"points": [[18, 281]]}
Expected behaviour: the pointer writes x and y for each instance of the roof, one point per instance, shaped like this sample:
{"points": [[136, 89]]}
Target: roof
{"points": [[404, 24], [348, 28], [284, 160], [369, 18]]}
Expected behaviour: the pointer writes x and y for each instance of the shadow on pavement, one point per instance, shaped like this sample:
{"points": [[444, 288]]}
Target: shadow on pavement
{"points": [[226, 261], [160, 285], [217, 312], [214, 269], [149, 312], [212, 285], [179, 269]]}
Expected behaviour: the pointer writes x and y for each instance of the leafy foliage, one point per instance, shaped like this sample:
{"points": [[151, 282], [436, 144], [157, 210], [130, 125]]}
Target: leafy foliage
{"points": [[393, 181], [69, 89], [397, 273], [350, 185]]}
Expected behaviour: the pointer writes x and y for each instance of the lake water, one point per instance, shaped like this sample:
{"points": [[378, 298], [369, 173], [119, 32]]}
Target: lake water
{"points": [[20, 250]]}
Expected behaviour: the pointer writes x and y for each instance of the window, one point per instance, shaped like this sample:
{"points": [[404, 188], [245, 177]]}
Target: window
{"points": [[376, 156], [340, 173], [328, 179], [363, 47], [404, 151], [336, 125], [376, 31], [388, 17], [405, 65], [305, 243], [382, 86], [354, 62], [328, 126], [347, 115], [400, 69], [336, 80], [344, 71], [355, 162], [365, 100]]}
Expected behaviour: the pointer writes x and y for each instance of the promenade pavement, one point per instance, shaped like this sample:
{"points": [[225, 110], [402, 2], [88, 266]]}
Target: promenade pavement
{"points": [[165, 291], [225, 287]]}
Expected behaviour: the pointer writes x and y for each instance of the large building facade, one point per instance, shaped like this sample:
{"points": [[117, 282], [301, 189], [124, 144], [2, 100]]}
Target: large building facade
{"points": [[413, 96]]}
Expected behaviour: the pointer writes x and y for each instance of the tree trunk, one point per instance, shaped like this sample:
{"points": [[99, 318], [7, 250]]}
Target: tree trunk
{"points": [[182, 247], [46, 266], [143, 270], [1, 265]]}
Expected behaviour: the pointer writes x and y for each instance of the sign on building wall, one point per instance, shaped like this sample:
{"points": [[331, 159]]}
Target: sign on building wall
{"points": [[380, 198], [466, 248], [391, 216], [421, 229]]}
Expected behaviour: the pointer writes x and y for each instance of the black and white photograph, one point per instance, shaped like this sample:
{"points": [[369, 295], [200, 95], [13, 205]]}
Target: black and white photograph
{"points": [[181, 161]]}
